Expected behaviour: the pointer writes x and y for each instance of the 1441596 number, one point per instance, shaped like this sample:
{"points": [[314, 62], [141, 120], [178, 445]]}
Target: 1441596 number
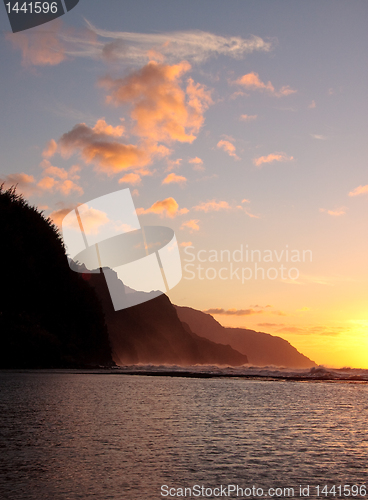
{"points": [[32, 7], [346, 490]]}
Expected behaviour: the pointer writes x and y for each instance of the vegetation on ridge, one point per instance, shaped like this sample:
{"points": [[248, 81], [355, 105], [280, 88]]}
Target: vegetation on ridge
{"points": [[49, 316]]}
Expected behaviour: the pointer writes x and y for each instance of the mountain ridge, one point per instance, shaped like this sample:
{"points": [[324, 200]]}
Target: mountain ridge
{"points": [[263, 349]]}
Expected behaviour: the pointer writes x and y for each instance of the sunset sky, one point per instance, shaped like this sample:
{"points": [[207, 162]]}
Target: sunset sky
{"points": [[242, 125]]}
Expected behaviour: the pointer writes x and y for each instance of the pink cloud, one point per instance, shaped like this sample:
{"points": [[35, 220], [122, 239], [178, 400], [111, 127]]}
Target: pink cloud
{"points": [[271, 158]]}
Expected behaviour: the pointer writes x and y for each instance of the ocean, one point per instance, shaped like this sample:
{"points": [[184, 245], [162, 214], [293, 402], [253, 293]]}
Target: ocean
{"points": [[183, 433]]}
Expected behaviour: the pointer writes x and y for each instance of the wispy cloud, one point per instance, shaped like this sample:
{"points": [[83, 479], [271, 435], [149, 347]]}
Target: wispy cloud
{"points": [[247, 118], [336, 213], [327, 331], [233, 312], [58, 43], [212, 206], [359, 190], [269, 325], [195, 46], [229, 148], [319, 137]]}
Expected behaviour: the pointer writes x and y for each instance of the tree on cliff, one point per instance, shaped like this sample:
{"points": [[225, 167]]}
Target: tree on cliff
{"points": [[49, 316]]}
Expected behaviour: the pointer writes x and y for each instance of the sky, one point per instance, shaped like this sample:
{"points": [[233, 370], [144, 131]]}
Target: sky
{"points": [[239, 124]]}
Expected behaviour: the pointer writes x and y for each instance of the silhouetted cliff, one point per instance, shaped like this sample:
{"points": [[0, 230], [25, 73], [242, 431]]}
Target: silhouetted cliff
{"points": [[151, 333], [262, 349], [49, 316]]}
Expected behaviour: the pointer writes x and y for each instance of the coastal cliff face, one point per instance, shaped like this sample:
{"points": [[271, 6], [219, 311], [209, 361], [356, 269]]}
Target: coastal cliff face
{"points": [[151, 333], [49, 316], [261, 348], [52, 317]]}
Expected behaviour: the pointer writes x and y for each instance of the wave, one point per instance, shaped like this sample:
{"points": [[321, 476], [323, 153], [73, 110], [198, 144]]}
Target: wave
{"points": [[266, 372]]}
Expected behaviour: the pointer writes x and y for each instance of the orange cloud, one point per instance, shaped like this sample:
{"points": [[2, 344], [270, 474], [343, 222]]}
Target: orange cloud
{"points": [[92, 219], [59, 179], [229, 148], [162, 110], [39, 47], [271, 158], [25, 183], [186, 244], [130, 179], [248, 118], [68, 186], [168, 207], [54, 179], [47, 183], [312, 105], [192, 225], [196, 161], [108, 154], [335, 213], [173, 178], [171, 164], [252, 81], [102, 127], [213, 205], [61, 173], [359, 190], [57, 216], [50, 149]]}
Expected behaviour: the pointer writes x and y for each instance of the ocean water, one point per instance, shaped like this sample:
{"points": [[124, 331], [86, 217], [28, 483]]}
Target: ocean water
{"points": [[107, 435]]}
